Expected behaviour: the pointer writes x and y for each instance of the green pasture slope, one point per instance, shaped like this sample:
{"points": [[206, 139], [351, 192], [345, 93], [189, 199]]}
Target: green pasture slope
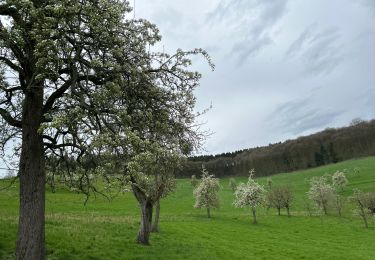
{"points": [[103, 230]]}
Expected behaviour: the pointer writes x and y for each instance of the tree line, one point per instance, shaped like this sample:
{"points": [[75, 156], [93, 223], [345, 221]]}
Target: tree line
{"points": [[329, 146]]}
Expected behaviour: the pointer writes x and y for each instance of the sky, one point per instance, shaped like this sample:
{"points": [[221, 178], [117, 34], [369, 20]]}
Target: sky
{"points": [[284, 68]]}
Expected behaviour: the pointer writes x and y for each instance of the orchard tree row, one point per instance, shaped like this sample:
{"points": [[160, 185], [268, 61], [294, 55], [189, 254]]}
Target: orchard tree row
{"points": [[321, 196]]}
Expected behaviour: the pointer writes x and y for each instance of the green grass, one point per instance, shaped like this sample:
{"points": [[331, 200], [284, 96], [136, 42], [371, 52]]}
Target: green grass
{"points": [[107, 230]]}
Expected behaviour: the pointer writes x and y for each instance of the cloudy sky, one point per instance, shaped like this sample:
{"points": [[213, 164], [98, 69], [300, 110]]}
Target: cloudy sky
{"points": [[284, 68]]}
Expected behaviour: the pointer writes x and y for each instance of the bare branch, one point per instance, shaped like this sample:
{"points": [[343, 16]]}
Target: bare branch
{"points": [[9, 119], [11, 64]]}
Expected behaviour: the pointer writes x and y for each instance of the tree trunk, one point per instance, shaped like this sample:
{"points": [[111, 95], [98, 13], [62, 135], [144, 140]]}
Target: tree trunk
{"points": [[288, 211], [325, 208], [146, 215], [339, 205], [208, 212], [155, 225], [31, 238], [278, 211], [254, 216], [363, 215]]}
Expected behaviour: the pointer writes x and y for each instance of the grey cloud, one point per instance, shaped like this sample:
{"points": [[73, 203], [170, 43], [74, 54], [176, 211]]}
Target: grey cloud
{"points": [[285, 86], [319, 51], [298, 44], [370, 4], [243, 50], [298, 116], [252, 21], [168, 17], [238, 10], [323, 55], [227, 11]]}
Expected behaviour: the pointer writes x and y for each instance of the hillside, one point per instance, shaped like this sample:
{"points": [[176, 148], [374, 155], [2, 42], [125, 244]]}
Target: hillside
{"points": [[329, 146], [107, 230]]}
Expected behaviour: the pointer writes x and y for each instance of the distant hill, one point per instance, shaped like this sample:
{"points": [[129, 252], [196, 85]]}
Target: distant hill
{"points": [[329, 146]]}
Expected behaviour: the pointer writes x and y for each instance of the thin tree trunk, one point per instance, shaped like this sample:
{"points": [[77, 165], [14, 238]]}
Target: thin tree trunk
{"points": [[288, 211], [278, 211], [208, 212], [339, 208], [155, 225], [254, 216], [325, 208], [339, 205], [30, 237], [363, 215], [146, 216]]}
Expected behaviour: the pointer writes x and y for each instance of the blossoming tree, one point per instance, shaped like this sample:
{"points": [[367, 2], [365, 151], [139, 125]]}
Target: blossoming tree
{"points": [[339, 180], [250, 194], [320, 192], [206, 194]]}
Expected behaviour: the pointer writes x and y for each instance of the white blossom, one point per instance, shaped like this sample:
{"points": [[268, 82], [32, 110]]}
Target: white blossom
{"points": [[339, 180], [320, 192], [206, 194], [250, 194]]}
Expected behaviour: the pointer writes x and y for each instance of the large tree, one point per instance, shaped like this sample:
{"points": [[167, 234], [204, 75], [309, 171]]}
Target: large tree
{"points": [[158, 117], [71, 71]]}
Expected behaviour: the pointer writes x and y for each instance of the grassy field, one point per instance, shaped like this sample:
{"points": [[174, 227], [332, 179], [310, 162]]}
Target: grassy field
{"points": [[107, 230]]}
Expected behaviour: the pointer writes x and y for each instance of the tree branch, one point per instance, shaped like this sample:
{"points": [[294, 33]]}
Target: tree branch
{"points": [[9, 119], [11, 11], [4, 35], [94, 79], [57, 146], [11, 64], [59, 92]]}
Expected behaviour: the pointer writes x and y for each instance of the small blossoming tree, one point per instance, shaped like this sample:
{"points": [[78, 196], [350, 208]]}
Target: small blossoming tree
{"points": [[365, 202], [320, 192], [194, 181], [250, 195], [339, 180], [269, 183], [280, 197], [232, 184], [206, 194]]}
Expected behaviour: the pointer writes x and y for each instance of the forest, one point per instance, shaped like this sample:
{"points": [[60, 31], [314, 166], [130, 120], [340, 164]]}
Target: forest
{"points": [[329, 146]]}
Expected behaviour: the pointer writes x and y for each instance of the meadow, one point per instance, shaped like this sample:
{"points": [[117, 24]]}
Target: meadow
{"points": [[107, 230]]}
